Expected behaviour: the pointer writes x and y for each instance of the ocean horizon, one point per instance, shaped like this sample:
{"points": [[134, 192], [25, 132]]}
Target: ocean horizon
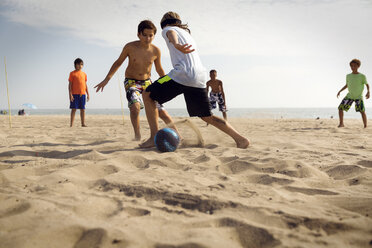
{"points": [[255, 113]]}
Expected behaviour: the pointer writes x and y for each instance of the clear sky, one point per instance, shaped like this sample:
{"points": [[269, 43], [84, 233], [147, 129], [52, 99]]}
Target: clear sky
{"points": [[269, 53]]}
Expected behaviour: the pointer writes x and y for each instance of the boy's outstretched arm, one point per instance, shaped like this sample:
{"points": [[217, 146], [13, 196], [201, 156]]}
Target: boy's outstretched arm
{"points": [[367, 95], [173, 38], [343, 88], [115, 66], [157, 62]]}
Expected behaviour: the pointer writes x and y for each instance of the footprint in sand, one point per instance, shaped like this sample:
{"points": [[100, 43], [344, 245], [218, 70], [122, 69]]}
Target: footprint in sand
{"points": [[345, 171], [310, 191], [237, 166], [186, 245], [91, 238], [268, 180], [365, 163], [14, 210]]}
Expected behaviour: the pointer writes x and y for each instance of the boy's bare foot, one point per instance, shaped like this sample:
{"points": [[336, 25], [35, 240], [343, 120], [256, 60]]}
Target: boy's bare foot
{"points": [[84, 125], [341, 125], [148, 143], [242, 143]]}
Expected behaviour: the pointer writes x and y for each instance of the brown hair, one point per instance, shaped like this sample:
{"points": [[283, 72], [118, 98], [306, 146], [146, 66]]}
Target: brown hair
{"points": [[356, 61], [146, 24], [173, 19]]}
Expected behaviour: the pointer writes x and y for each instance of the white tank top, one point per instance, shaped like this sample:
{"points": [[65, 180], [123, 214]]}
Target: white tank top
{"points": [[187, 68]]}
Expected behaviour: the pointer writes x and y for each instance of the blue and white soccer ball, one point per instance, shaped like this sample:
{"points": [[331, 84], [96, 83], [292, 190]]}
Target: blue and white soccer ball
{"points": [[166, 140]]}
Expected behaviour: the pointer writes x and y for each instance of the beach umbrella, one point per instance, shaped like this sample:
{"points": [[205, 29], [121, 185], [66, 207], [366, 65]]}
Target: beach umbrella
{"points": [[29, 105]]}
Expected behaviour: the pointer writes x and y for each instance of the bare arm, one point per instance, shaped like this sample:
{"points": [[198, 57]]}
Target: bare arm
{"points": [[343, 88], [115, 66], [86, 87], [157, 62], [367, 95], [70, 91], [173, 38], [208, 87], [223, 93]]}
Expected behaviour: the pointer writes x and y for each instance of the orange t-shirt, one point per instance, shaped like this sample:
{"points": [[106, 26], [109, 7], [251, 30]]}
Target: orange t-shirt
{"points": [[78, 81]]}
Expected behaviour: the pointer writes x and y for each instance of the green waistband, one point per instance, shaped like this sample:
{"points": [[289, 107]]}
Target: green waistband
{"points": [[164, 79]]}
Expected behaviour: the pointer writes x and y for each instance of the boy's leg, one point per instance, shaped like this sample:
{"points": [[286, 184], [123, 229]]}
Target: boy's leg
{"points": [[341, 117], [72, 117], [134, 117], [359, 107], [152, 116], [82, 117], [344, 106], [164, 115], [224, 115], [224, 126], [364, 117]]}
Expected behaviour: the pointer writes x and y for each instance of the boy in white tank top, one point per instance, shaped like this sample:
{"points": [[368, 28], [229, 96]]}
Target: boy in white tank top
{"points": [[187, 77]]}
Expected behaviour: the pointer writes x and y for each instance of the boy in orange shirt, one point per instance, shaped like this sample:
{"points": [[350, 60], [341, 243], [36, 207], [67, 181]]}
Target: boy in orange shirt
{"points": [[77, 88]]}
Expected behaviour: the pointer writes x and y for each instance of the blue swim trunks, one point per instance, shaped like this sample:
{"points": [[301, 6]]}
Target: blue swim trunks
{"points": [[78, 102]]}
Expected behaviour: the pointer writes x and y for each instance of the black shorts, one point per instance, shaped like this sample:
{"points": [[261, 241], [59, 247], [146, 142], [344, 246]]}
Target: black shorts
{"points": [[165, 89]]}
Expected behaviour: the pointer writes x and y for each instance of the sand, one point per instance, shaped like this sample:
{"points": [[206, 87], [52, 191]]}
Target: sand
{"points": [[302, 183]]}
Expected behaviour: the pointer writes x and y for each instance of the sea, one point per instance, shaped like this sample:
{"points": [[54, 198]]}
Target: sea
{"points": [[255, 113]]}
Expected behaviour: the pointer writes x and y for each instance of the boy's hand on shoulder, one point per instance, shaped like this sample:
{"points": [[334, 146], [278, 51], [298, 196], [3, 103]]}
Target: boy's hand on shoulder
{"points": [[101, 85], [184, 48]]}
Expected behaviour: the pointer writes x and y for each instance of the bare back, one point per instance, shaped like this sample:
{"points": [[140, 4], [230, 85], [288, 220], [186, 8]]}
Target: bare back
{"points": [[216, 85], [140, 60]]}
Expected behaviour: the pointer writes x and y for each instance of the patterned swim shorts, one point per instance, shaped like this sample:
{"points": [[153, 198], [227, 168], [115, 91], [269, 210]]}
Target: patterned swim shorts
{"points": [[347, 102], [134, 89], [217, 98]]}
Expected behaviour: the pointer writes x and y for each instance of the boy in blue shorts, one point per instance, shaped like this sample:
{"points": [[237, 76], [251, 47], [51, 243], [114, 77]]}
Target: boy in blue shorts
{"points": [[188, 77], [355, 82], [78, 91]]}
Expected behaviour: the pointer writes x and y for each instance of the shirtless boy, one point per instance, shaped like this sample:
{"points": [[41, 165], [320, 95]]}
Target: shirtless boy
{"points": [[142, 54], [217, 94]]}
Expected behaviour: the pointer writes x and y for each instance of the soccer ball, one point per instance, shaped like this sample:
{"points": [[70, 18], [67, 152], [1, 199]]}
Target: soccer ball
{"points": [[166, 140]]}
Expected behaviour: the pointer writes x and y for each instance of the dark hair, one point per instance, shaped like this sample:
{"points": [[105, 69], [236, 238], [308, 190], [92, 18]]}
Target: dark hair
{"points": [[78, 61], [146, 24], [356, 61], [173, 19], [213, 70]]}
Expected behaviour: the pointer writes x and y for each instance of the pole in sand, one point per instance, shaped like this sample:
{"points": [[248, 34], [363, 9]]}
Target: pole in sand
{"points": [[7, 92], [121, 99]]}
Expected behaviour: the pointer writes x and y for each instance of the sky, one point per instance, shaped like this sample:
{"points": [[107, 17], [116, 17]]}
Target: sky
{"points": [[268, 54]]}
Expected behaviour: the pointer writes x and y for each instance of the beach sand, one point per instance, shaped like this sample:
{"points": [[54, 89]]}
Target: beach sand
{"points": [[301, 183]]}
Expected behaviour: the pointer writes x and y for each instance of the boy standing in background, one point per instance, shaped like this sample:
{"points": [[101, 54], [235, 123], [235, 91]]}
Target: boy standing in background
{"points": [[355, 82], [217, 94], [77, 89]]}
